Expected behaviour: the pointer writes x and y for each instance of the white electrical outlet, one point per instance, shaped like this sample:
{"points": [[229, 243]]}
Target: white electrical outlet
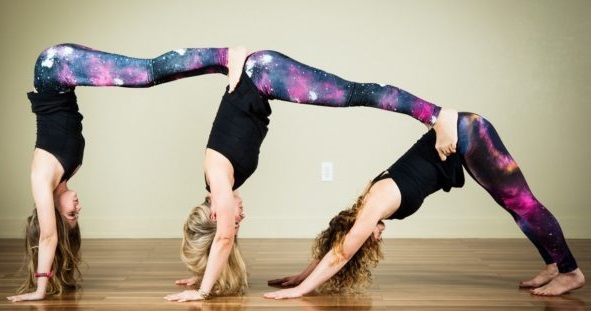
{"points": [[326, 171]]}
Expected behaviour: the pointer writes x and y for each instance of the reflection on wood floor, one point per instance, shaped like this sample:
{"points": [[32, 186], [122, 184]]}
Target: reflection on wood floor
{"points": [[417, 274]]}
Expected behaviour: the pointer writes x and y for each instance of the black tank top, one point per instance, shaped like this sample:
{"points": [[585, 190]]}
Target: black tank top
{"points": [[239, 128], [59, 128], [420, 172]]}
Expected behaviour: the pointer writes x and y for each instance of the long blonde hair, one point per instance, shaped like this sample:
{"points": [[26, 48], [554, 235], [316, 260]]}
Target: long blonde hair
{"points": [[198, 234], [66, 261], [355, 276]]}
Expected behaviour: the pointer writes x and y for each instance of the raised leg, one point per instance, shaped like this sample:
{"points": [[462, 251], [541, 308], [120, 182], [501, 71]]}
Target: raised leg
{"points": [[63, 67], [279, 77]]}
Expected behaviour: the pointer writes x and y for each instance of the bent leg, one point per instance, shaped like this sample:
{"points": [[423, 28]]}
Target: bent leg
{"points": [[63, 67], [279, 77], [487, 160]]}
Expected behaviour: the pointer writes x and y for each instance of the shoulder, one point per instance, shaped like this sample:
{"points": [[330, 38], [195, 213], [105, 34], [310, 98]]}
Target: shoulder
{"points": [[45, 165], [383, 199], [218, 169]]}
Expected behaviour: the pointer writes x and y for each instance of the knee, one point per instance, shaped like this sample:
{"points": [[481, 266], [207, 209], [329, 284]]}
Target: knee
{"points": [[258, 60], [469, 121], [468, 117], [53, 54], [48, 63], [469, 127], [263, 56]]}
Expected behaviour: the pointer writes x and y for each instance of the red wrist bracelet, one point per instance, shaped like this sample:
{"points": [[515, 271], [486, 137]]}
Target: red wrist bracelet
{"points": [[44, 275]]}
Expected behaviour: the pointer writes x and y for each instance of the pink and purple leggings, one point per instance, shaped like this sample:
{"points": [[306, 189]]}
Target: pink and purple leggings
{"points": [[489, 163], [63, 67]]}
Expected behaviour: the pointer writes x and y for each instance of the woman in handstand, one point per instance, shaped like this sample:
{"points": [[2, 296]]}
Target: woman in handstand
{"points": [[52, 232], [345, 251], [60, 145]]}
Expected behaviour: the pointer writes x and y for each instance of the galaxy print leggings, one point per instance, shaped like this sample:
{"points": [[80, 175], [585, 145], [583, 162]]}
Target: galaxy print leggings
{"points": [[487, 160], [63, 67]]}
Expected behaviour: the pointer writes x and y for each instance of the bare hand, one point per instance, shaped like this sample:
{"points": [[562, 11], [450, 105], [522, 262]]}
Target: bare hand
{"points": [[286, 282], [284, 294], [187, 281], [188, 295], [26, 297], [446, 128], [236, 57]]}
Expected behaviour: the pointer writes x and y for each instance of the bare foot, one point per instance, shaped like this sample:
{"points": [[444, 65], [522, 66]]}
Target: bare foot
{"points": [[543, 278], [561, 284], [236, 57]]}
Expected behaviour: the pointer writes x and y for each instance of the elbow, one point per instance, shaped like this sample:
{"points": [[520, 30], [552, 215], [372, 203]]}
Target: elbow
{"points": [[48, 239], [342, 256], [36, 176], [346, 255], [353, 242], [224, 241]]}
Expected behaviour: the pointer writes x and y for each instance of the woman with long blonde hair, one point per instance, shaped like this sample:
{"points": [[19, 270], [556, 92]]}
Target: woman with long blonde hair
{"points": [[67, 257], [198, 235]]}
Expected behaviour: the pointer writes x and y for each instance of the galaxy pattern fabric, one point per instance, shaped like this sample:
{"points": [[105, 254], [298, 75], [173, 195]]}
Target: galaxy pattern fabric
{"points": [[487, 160], [277, 76], [63, 67]]}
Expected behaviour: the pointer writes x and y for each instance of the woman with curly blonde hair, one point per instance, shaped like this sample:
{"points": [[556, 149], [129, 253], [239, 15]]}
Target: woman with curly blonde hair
{"points": [[355, 276], [198, 235], [399, 191]]}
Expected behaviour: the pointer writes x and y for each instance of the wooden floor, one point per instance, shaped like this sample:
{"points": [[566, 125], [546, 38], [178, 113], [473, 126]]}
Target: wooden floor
{"points": [[417, 274]]}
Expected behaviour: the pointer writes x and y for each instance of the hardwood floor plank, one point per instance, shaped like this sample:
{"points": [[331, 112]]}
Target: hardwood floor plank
{"points": [[416, 274]]}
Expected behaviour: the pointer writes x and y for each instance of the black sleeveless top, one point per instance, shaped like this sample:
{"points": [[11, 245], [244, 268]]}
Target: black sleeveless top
{"points": [[239, 128], [420, 172], [59, 128]]}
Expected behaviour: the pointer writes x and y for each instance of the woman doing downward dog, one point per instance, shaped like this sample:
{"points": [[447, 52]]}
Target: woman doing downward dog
{"points": [[346, 250]]}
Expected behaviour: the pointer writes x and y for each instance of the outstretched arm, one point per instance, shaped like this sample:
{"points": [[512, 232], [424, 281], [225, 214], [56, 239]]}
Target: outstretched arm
{"points": [[294, 280], [330, 263], [382, 200], [45, 175], [218, 171]]}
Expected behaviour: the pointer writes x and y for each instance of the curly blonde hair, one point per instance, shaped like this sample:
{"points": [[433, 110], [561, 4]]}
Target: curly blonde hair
{"points": [[65, 262], [198, 234], [355, 276]]}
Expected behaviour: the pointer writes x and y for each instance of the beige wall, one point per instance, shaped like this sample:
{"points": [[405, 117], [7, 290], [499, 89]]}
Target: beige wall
{"points": [[525, 65]]}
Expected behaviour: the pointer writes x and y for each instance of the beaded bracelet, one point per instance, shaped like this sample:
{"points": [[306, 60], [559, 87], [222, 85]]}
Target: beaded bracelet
{"points": [[203, 294], [44, 275]]}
